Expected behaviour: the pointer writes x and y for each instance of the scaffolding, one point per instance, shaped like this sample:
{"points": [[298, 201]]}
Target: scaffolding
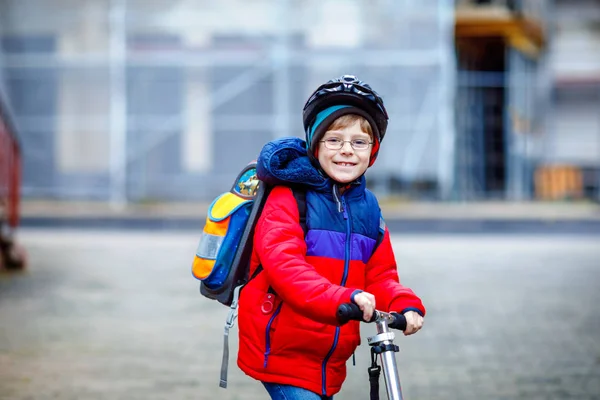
{"points": [[130, 100]]}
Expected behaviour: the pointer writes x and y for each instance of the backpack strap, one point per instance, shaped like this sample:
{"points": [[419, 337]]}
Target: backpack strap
{"points": [[228, 325], [300, 196]]}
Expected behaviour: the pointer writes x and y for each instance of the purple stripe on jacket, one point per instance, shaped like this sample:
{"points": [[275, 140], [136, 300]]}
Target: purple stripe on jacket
{"points": [[330, 244]]}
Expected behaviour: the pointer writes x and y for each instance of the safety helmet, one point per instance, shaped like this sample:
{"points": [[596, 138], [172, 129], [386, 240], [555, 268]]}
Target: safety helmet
{"points": [[337, 97]]}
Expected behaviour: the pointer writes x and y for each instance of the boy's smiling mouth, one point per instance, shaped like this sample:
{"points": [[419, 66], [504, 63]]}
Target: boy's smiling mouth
{"points": [[344, 164]]}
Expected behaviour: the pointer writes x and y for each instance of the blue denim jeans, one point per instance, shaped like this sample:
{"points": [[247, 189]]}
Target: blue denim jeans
{"points": [[286, 392]]}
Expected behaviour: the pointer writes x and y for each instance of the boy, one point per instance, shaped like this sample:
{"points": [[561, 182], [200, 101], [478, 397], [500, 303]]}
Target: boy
{"points": [[289, 337]]}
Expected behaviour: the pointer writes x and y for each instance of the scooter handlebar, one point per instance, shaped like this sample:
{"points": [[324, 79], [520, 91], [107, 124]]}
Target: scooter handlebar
{"points": [[351, 312]]}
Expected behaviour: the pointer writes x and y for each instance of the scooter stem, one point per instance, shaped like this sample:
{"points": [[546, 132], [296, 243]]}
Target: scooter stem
{"points": [[385, 339]]}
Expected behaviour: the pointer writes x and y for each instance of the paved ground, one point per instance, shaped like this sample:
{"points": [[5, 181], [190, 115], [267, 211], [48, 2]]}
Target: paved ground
{"points": [[113, 315]]}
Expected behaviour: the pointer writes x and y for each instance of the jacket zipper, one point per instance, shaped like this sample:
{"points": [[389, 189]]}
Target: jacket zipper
{"points": [[268, 336], [348, 237], [344, 209], [324, 365]]}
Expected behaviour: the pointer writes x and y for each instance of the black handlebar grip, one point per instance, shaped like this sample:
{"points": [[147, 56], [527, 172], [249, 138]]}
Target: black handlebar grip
{"points": [[399, 322], [349, 312]]}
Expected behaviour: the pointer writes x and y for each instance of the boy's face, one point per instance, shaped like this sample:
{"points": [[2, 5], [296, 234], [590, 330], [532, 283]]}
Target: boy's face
{"points": [[346, 164]]}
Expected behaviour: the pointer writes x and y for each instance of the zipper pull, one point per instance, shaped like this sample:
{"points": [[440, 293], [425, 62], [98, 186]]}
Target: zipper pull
{"points": [[339, 199], [336, 197], [344, 208]]}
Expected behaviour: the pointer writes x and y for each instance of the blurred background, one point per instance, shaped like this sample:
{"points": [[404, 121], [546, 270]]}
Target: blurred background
{"points": [[134, 101], [119, 117]]}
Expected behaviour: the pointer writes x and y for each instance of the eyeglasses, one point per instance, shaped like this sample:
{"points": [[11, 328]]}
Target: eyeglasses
{"points": [[337, 144]]}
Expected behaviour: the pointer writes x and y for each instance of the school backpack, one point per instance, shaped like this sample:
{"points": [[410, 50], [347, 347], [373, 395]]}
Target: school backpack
{"points": [[225, 246], [222, 259], [223, 255]]}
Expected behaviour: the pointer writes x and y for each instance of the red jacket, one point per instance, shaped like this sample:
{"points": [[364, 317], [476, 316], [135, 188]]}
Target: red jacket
{"points": [[288, 332]]}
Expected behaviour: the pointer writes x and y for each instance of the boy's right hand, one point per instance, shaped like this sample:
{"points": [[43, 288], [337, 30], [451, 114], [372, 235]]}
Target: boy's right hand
{"points": [[366, 302]]}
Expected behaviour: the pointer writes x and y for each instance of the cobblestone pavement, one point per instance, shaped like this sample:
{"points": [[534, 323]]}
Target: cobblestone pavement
{"points": [[115, 315]]}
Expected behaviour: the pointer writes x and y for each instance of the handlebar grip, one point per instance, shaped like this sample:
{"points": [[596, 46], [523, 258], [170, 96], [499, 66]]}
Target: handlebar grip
{"points": [[399, 322], [351, 312]]}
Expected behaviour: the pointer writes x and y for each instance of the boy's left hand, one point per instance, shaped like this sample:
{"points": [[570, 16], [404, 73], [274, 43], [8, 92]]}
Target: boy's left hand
{"points": [[414, 322]]}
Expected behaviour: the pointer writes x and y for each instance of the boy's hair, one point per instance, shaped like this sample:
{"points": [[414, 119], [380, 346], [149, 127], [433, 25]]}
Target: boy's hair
{"points": [[350, 119]]}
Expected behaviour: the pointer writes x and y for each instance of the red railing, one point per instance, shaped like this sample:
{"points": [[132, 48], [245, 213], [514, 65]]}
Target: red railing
{"points": [[10, 174]]}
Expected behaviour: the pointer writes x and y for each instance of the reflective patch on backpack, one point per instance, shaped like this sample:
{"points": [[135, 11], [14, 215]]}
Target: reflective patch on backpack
{"points": [[209, 246]]}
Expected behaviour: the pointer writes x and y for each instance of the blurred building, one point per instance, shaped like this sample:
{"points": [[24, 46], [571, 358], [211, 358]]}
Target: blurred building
{"points": [[138, 100], [574, 137]]}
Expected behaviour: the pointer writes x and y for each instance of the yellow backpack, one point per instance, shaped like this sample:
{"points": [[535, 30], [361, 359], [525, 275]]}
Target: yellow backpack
{"points": [[223, 254]]}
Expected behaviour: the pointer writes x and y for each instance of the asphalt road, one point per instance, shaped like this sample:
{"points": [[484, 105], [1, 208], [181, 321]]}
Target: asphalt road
{"points": [[116, 314]]}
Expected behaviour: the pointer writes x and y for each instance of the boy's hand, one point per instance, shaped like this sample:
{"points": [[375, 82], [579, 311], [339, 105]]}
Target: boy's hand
{"points": [[414, 322], [366, 302]]}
